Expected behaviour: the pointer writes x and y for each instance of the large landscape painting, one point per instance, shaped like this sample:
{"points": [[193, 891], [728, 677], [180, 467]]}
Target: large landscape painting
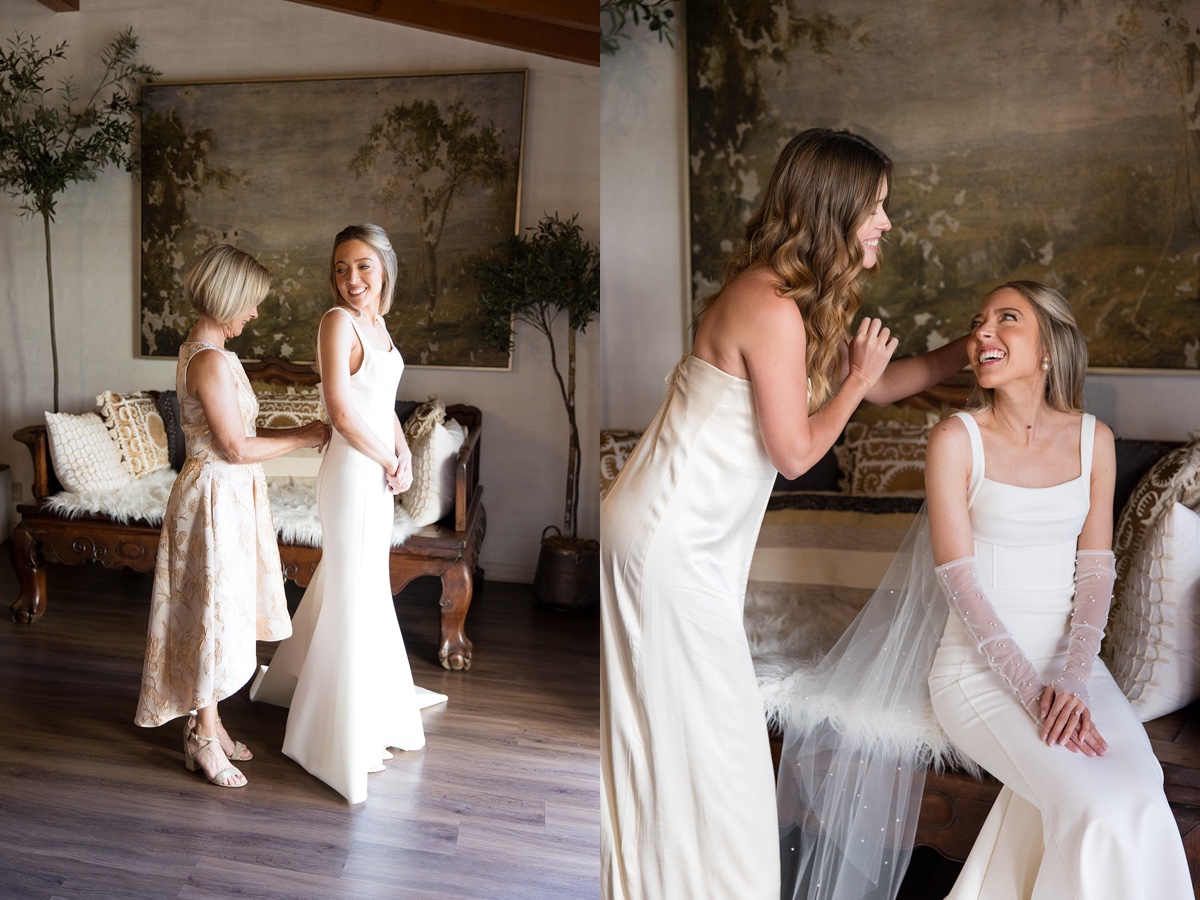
{"points": [[1053, 140], [278, 168]]}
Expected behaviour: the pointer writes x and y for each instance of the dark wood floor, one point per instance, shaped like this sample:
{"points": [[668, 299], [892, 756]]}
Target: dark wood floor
{"points": [[502, 803]]}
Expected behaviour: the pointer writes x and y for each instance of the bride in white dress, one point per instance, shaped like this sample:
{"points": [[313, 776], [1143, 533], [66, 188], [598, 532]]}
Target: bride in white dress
{"points": [[344, 672], [1000, 662], [1020, 510]]}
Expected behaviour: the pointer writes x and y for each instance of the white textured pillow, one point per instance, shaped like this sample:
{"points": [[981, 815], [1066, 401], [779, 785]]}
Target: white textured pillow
{"points": [[83, 453], [1154, 645], [435, 449]]}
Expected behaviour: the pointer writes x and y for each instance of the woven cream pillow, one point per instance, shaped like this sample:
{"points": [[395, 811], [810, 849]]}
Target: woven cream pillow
{"points": [[137, 426], [434, 442], [883, 458], [615, 447], [1142, 649], [83, 453], [1153, 641], [1175, 478]]}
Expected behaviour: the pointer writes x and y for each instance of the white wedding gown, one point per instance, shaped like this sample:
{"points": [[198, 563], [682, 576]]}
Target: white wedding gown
{"points": [[688, 805], [1065, 826], [344, 672]]}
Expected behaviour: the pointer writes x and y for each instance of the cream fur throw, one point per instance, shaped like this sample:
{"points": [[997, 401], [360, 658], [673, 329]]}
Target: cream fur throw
{"points": [[293, 506]]}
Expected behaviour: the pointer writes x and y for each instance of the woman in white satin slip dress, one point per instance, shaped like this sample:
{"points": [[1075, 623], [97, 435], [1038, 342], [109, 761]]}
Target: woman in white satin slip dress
{"points": [[1019, 500], [344, 673], [688, 807]]}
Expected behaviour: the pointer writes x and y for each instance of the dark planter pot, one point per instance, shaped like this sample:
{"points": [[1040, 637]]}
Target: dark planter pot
{"points": [[568, 573]]}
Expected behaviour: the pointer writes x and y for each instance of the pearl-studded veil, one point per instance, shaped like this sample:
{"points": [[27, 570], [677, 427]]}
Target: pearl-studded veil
{"points": [[859, 734]]}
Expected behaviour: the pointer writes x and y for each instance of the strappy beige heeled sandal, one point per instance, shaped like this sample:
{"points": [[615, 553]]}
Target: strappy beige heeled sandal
{"points": [[241, 753], [226, 777]]}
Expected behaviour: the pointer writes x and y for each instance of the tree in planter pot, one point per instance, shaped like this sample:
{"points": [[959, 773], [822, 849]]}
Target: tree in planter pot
{"points": [[49, 142], [535, 279]]}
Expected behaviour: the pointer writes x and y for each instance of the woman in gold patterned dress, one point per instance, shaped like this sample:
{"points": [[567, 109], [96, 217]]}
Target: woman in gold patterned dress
{"points": [[218, 584]]}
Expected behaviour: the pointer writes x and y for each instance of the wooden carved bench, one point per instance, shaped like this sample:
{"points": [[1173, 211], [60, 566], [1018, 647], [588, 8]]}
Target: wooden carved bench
{"points": [[448, 550]]}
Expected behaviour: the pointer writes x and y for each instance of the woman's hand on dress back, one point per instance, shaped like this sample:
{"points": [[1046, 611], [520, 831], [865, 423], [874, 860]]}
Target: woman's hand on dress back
{"points": [[870, 350], [316, 434]]}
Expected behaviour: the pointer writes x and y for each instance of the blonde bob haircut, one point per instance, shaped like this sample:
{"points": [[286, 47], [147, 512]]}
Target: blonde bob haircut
{"points": [[375, 238], [224, 282], [825, 185], [1061, 341]]}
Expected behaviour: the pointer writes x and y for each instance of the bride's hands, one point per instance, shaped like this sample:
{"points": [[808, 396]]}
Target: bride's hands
{"points": [[399, 480], [1066, 720]]}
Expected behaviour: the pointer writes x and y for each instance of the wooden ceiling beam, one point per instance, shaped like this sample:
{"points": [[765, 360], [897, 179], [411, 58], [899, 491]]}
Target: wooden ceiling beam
{"points": [[61, 5], [564, 30]]}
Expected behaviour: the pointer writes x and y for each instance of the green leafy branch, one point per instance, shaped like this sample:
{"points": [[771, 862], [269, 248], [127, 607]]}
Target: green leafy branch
{"points": [[657, 14], [49, 142], [534, 279]]}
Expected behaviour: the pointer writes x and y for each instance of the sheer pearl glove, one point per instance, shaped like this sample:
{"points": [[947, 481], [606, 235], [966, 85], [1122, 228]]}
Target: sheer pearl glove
{"points": [[1095, 572], [960, 583]]}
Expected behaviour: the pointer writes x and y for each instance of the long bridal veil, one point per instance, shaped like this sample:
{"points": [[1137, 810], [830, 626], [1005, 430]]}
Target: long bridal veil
{"points": [[859, 733]]}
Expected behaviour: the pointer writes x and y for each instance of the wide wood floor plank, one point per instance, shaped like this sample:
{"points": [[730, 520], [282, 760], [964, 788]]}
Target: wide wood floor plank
{"points": [[502, 803]]}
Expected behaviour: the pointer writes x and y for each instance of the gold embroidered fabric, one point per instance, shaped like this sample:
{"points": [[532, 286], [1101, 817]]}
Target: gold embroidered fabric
{"points": [[218, 583]]}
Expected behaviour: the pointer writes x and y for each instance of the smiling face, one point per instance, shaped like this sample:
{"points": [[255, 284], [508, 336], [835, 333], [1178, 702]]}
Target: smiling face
{"points": [[239, 322], [358, 274], [1005, 342], [873, 228]]}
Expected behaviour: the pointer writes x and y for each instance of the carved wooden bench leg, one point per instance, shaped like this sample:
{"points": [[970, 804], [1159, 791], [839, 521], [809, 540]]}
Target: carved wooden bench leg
{"points": [[27, 561], [457, 586]]}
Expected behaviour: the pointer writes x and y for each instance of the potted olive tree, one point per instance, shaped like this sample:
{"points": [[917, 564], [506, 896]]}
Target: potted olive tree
{"points": [[52, 139], [536, 278]]}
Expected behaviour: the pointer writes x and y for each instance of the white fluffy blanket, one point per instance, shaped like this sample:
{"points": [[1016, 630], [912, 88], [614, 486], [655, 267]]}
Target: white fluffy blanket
{"points": [[790, 628], [293, 506]]}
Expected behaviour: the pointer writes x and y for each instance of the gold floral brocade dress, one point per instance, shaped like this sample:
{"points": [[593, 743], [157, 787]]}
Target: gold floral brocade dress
{"points": [[218, 583]]}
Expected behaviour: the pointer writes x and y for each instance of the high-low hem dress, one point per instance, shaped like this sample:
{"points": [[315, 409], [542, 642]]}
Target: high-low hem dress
{"points": [[688, 804], [344, 673], [1065, 826], [218, 582]]}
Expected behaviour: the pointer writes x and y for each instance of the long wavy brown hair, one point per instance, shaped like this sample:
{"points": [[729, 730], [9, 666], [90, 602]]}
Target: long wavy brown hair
{"points": [[824, 187]]}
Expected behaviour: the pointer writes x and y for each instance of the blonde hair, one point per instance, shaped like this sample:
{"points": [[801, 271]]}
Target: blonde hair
{"points": [[375, 238], [1062, 342], [824, 186], [224, 282]]}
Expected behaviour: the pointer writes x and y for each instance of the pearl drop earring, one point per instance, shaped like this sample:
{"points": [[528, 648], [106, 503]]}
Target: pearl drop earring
{"points": [[1046, 364]]}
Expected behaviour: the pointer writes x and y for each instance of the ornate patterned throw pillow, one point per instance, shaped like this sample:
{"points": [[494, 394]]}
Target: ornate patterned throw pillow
{"points": [[1153, 640], [434, 442], [137, 427], [615, 447], [84, 455], [287, 407], [1145, 646], [885, 457]]}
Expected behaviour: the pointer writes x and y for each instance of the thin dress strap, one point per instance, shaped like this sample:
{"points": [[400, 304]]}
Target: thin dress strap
{"points": [[1087, 440], [976, 455]]}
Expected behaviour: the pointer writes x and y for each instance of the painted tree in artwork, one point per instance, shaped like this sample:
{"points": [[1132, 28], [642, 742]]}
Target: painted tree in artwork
{"points": [[729, 79], [1159, 40], [50, 139], [431, 156], [176, 170]]}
